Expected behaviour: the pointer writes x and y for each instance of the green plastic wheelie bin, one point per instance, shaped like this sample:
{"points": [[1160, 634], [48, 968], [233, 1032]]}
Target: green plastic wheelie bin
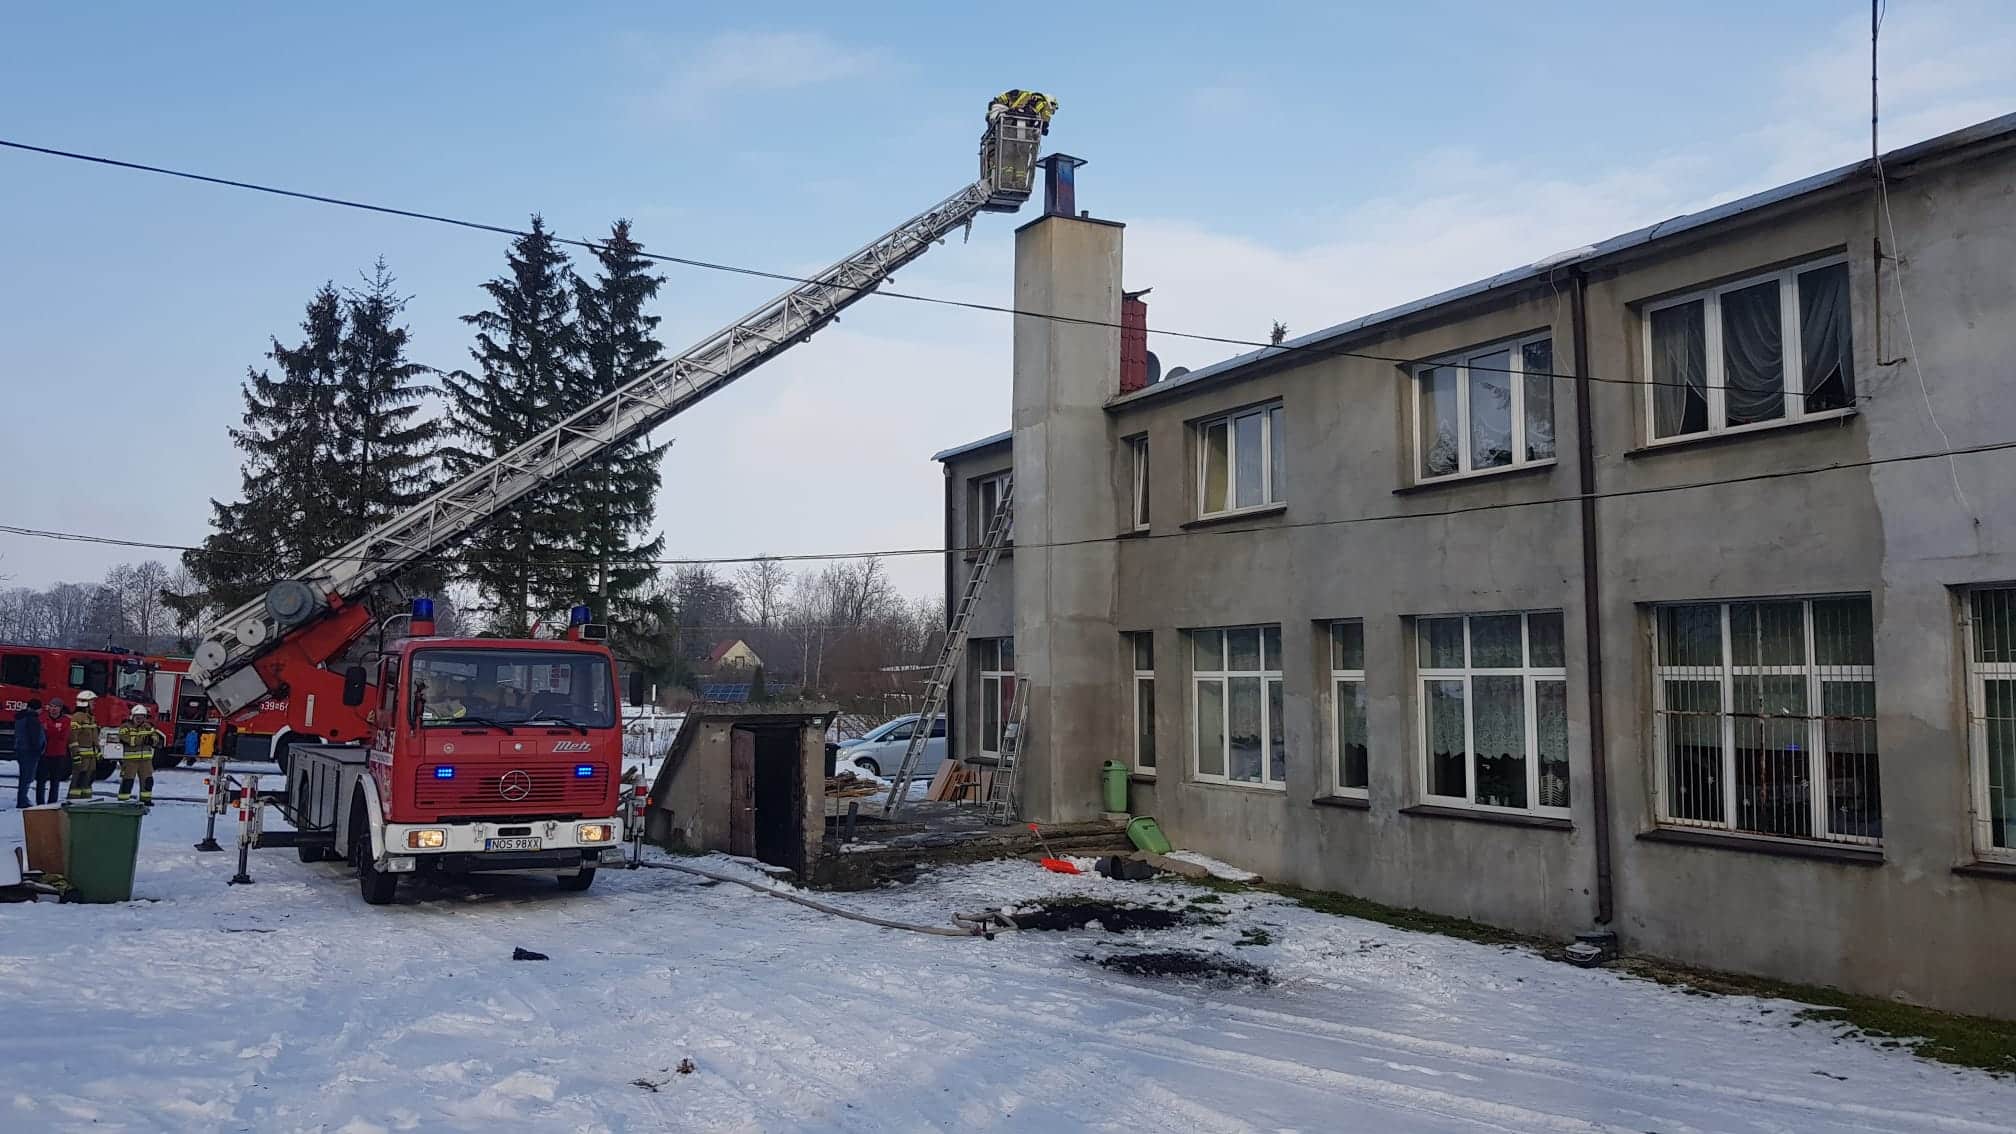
{"points": [[101, 848]]}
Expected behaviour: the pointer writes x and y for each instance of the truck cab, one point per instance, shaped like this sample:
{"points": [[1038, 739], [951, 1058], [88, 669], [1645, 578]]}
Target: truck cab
{"points": [[486, 756], [119, 679]]}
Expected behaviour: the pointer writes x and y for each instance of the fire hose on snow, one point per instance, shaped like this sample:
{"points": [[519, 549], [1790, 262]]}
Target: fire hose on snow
{"points": [[983, 924]]}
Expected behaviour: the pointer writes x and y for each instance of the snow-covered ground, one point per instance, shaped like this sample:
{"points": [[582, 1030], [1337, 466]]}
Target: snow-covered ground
{"points": [[289, 1005]]}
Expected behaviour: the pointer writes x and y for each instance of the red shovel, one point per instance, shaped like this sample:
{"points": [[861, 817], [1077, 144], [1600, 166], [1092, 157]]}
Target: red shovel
{"points": [[1050, 861]]}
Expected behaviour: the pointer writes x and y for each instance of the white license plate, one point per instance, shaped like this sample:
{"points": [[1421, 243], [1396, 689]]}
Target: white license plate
{"points": [[514, 844]]}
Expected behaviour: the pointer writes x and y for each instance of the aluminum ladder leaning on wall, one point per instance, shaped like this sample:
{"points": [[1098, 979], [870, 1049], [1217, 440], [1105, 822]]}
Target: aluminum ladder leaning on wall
{"points": [[1000, 805], [954, 648]]}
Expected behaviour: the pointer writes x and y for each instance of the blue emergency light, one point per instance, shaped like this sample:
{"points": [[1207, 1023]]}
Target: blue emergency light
{"points": [[583, 771], [580, 615], [423, 610], [444, 771]]}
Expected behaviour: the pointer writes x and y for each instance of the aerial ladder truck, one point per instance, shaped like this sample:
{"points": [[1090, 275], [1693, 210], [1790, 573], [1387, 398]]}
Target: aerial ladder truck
{"points": [[488, 755]]}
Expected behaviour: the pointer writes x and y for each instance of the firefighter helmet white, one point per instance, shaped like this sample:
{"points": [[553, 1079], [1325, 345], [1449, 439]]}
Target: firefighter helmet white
{"points": [[138, 711], [85, 698]]}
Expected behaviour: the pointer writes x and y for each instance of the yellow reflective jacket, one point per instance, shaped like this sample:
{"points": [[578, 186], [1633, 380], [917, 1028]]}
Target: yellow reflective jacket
{"points": [[83, 734], [140, 740]]}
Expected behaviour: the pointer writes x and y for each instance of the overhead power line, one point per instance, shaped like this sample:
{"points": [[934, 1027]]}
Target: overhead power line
{"points": [[903, 552], [785, 277]]}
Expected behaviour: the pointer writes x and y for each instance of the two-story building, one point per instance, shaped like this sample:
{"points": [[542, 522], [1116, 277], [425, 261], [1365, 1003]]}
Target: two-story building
{"points": [[1667, 585]]}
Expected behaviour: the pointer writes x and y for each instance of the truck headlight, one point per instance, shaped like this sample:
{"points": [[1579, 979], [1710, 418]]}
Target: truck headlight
{"points": [[432, 839], [594, 833]]}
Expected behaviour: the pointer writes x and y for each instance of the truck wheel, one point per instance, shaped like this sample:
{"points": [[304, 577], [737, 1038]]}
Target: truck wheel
{"points": [[578, 882], [376, 886], [311, 853], [106, 770], [166, 760]]}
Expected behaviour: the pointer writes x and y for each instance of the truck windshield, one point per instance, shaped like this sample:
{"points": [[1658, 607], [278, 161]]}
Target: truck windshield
{"points": [[511, 687]]}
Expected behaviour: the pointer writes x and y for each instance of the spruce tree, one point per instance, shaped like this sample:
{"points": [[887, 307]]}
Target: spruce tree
{"points": [[384, 452], [615, 495], [386, 455], [527, 356], [287, 484]]}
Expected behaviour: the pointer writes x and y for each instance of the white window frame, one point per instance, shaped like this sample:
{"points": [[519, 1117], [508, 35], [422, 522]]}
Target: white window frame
{"points": [[1816, 676], [1459, 361], [1531, 676], [994, 680], [1137, 450], [1269, 677], [980, 517], [1141, 677], [1979, 673], [1339, 678], [1268, 414], [1716, 379]]}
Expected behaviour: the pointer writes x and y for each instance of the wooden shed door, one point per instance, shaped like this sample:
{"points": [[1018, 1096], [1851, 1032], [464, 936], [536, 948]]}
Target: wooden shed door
{"points": [[742, 792]]}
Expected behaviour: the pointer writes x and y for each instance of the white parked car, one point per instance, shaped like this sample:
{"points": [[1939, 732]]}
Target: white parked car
{"points": [[879, 751]]}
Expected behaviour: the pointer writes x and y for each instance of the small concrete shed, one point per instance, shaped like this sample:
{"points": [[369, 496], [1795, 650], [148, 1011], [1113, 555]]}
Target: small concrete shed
{"points": [[746, 779]]}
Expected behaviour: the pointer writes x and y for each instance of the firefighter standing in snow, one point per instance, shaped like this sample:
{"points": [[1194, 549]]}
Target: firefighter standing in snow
{"points": [[139, 738], [83, 747]]}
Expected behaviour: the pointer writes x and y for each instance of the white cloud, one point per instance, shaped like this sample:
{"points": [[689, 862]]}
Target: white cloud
{"points": [[742, 62]]}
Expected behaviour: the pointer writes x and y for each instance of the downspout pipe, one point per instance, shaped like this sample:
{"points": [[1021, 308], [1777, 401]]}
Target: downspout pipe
{"points": [[1592, 597], [951, 558]]}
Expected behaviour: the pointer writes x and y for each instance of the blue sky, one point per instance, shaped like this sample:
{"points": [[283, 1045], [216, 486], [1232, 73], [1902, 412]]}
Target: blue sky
{"points": [[1306, 162]]}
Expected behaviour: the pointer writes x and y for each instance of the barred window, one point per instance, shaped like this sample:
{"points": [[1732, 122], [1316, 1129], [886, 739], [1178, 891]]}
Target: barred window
{"points": [[1766, 718], [1991, 704]]}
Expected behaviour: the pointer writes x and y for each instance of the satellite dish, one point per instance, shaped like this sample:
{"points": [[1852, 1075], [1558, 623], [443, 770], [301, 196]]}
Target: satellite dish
{"points": [[1176, 372], [1154, 368]]}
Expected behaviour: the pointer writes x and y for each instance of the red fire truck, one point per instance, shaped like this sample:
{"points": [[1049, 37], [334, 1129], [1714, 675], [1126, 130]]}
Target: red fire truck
{"points": [[489, 755], [119, 678], [486, 755]]}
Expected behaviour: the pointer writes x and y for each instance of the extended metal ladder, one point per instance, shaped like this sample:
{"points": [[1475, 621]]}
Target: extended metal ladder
{"points": [[954, 649], [1000, 805], [224, 660]]}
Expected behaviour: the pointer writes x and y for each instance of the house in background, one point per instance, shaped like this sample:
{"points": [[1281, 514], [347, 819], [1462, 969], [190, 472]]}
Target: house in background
{"points": [[732, 653], [1666, 586]]}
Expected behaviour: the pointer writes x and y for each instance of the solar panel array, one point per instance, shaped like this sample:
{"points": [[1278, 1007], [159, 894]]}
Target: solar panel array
{"points": [[734, 691]]}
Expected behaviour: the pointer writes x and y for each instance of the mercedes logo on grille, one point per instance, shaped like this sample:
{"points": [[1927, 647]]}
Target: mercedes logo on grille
{"points": [[515, 785]]}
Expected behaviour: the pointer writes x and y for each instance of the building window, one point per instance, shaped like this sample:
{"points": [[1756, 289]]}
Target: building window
{"points": [[1494, 712], [1991, 678], [1753, 353], [1137, 449], [1239, 714], [1141, 647], [1485, 409], [1766, 718], [987, 494], [994, 660], [1347, 707], [1239, 461]]}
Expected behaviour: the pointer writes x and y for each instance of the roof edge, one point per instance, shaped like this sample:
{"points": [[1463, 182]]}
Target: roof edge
{"points": [[1990, 130], [974, 446]]}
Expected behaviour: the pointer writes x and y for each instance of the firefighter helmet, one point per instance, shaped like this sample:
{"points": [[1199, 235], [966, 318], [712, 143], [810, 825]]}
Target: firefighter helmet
{"points": [[138, 711], [85, 698]]}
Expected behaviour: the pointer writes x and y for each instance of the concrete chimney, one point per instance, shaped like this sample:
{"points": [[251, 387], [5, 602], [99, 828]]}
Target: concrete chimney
{"points": [[1066, 638]]}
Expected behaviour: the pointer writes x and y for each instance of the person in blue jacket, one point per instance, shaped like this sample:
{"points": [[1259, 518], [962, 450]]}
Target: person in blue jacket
{"points": [[29, 740]]}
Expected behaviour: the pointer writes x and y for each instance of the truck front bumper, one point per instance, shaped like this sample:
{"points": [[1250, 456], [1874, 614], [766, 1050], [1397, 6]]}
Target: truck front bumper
{"points": [[473, 848]]}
